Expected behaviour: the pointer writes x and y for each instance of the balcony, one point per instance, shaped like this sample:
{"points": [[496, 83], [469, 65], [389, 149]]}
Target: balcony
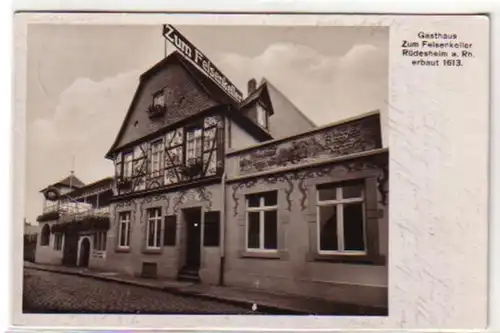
{"points": [[81, 217], [71, 211]]}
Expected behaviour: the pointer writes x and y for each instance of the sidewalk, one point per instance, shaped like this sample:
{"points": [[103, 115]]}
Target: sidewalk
{"points": [[265, 302]]}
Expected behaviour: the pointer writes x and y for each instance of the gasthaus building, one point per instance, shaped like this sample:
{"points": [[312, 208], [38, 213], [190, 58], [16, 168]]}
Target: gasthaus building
{"points": [[248, 192]]}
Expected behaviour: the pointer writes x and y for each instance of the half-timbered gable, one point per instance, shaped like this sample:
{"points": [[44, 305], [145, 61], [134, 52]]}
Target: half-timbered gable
{"points": [[174, 131]]}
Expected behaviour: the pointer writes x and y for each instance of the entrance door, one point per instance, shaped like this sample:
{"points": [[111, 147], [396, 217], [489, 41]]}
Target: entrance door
{"points": [[70, 249], [193, 231], [84, 252]]}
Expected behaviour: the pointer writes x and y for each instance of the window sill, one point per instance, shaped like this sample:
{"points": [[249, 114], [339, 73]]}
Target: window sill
{"points": [[152, 251], [263, 255], [375, 260], [122, 249]]}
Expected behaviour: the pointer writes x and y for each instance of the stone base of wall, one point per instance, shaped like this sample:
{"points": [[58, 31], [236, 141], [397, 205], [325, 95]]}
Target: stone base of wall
{"points": [[365, 295]]}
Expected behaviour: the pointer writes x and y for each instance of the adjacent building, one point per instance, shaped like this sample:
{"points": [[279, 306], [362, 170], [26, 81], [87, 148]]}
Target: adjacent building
{"points": [[74, 223]]}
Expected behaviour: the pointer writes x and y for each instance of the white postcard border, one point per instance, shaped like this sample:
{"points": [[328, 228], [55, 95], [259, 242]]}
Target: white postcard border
{"points": [[430, 159]]}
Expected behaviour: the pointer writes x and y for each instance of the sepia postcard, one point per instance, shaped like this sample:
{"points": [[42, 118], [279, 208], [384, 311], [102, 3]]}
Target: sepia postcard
{"points": [[195, 171]]}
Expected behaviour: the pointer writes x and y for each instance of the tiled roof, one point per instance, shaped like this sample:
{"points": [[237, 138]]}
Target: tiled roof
{"points": [[104, 183], [70, 181]]}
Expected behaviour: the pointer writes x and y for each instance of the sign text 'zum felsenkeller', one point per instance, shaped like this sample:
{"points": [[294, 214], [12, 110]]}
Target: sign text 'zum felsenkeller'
{"points": [[196, 56]]}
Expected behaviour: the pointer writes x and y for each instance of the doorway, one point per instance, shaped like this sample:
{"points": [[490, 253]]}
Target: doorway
{"points": [[192, 219], [70, 249], [84, 252]]}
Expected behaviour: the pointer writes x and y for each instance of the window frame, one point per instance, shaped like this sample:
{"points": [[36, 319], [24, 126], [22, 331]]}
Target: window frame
{"points": [[121, 222], [58, 241], [340, 201], [158, 227], [261, 209], [100, 241], [193, 128], [124, 162], [158, 93], [159, 172], [207, 221], [45, 235], [261, 110]]}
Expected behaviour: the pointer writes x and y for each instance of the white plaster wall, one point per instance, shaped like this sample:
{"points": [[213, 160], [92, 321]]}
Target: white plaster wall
{"points": [[46, 254]]}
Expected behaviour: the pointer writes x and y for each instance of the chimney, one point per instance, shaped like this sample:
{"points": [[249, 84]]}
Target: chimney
{"points": [[252, 85]]}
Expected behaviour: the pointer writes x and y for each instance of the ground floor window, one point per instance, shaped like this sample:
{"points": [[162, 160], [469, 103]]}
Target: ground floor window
{"points": [[124, 230], [58, 240], [341, 218], [262, 221], [45, 236], [100, 241], [154, 228]]}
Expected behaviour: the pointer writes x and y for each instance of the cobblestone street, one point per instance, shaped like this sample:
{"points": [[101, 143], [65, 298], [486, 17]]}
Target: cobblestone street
{"points": [[48, 292]]}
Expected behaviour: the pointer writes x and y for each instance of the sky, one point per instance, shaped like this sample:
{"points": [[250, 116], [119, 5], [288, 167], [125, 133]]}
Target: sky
{"points": [[81, 80]]}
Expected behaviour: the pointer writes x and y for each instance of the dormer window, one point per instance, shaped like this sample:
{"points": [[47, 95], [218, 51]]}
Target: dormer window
{"points": [[261, 116]]}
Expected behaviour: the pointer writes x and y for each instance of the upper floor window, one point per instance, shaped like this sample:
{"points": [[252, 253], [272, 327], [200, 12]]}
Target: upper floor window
{"points": [[262, 221], [194, 147], [341, 218], [156, 158], [128, 159], [159, 98], [261, 115]]}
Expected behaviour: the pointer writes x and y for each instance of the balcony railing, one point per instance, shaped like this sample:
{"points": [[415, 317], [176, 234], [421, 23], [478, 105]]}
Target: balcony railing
{"points": [[75, 210], [81, 214]]}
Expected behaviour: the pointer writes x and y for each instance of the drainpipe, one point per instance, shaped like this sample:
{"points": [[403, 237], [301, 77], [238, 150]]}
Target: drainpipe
{"points": [[223, 230]]}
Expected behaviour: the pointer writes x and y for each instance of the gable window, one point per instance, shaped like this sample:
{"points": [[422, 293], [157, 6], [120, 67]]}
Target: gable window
{"points": [[262, 221], [261, 116], [194, 145], [341, 218], [100, 241], [58, 241], [159, 98], [156, 158], [128, 159], [154, 228], [45, 237], [124, 230]]}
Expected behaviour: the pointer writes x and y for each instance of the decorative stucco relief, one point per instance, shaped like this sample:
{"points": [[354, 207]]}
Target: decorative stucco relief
{"points": [[297, 179], [197, 194], [359, 136]]}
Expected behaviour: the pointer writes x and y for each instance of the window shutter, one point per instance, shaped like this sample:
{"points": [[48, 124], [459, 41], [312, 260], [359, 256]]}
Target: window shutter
{"points": [[170, 230], [212, 229]]}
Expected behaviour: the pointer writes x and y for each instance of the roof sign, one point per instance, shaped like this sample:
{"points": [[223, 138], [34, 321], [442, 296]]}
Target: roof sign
{"points": [[197, 57]]}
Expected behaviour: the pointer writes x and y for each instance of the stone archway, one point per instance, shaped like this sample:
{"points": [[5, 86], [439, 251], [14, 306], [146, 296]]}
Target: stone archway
{"points": [[84, 252]]}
